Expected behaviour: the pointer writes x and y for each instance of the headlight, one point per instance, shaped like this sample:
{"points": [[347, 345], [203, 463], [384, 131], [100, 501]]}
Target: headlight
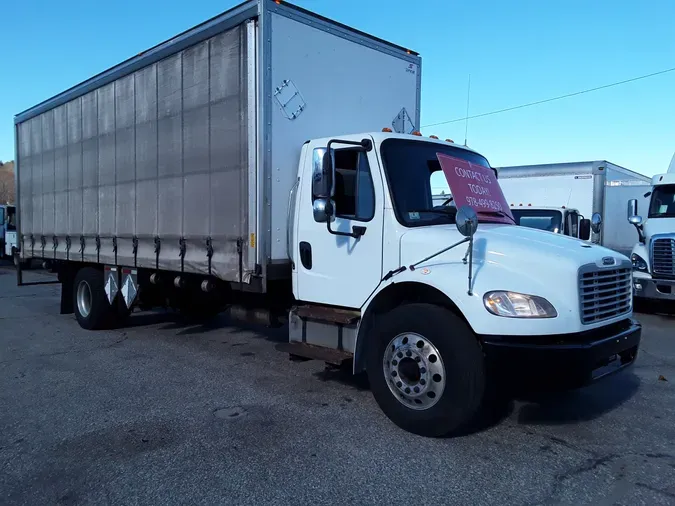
{"points": [[639, 263], [518, 305]]}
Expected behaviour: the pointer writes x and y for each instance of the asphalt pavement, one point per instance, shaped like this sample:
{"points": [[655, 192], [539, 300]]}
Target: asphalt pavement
{"points": [[163, 412]]}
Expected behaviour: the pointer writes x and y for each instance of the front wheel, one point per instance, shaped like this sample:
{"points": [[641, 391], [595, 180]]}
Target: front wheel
{"points": [[426, 370]]}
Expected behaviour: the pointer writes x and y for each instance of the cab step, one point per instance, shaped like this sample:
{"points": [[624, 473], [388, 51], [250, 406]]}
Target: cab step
{"points": [[328, 314], [312, 352]]}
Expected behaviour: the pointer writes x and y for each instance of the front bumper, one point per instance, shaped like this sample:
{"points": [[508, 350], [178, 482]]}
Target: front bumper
{"points": [[649, 288], [562, 361]]}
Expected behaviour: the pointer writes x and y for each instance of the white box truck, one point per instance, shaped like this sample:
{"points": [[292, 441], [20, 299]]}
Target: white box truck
{"points": [[653, 256], [565, 197], [8, 242], [226, 167]]}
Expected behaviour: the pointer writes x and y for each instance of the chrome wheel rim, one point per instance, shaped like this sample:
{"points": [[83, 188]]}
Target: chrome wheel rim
{"points": [[414, 371], [84, 298]]}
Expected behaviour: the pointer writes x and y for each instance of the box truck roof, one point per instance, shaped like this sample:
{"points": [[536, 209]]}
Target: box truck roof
{"points": [[567, 168], [247, 10]]}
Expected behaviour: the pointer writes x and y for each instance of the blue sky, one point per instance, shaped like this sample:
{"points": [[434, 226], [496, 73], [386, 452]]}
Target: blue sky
{"points": [[516, 52]]}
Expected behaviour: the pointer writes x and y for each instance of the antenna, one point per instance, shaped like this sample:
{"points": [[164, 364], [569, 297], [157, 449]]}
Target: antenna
{"points": [[466, 118]]}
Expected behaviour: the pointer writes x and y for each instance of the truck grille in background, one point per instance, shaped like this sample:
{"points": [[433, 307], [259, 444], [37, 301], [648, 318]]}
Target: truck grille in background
{"points": [[604, 293], [663, 257]]}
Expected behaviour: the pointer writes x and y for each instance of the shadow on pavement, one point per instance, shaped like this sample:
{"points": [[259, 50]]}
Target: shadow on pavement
{"points": [[344, 376], [654, 307], [183, 326], [581, 405]]}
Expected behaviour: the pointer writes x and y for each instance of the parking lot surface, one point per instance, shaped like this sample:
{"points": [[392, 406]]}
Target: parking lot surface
{"points": [[163, 412]]}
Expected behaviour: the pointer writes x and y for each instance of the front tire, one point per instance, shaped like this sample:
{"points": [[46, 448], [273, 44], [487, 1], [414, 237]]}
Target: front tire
{"points": [[92, 310], [426, 370]]}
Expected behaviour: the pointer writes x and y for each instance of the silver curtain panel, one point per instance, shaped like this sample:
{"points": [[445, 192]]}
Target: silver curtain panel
{"points": [[159, 153]]}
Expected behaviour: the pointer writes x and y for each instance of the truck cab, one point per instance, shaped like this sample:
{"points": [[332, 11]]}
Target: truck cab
{"points": [[7, 231], [653, 257], [428, 297], [559, 220]]}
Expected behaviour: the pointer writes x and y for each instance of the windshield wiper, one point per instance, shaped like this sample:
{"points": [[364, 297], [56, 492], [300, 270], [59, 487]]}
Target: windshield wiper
{"points": [[501, 214]]}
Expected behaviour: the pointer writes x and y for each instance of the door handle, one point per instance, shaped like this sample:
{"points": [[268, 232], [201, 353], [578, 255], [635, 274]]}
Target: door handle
{"points": [[306, 254]]}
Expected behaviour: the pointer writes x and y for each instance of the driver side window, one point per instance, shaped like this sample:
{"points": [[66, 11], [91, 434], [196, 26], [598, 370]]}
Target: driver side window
{"points": [[354, 191]]}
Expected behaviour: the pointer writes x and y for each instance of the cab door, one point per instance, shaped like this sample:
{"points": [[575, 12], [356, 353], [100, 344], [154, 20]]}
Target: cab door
{"points": [[335, 269]]}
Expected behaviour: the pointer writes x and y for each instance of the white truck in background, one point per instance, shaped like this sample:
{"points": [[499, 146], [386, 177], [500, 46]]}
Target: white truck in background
{"points": [[8, 242], [595, 191], [559, 220], [225, 168], [653, 256]]}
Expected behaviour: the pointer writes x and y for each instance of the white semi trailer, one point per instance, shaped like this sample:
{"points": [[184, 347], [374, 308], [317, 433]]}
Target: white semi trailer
{"points": [[653, 256], [226, 167]]}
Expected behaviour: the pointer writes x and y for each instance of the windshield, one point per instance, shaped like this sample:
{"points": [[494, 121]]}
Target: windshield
{"points": [[663, 202], [414, 172], [550, 221]]}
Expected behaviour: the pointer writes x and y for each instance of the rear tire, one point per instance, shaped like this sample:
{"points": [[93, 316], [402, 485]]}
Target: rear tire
{"points": [[440, 390], [92, 310], [25, 265]]}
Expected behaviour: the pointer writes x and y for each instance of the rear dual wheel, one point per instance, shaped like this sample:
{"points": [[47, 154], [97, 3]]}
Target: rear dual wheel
{"points": [[426, 370], [90, 302]]}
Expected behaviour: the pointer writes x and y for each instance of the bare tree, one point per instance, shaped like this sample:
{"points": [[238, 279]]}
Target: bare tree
{"points": [[7, 183]]}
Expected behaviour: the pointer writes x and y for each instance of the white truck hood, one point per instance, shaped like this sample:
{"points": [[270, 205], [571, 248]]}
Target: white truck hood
{"points": [[656, 226], [504, 244], [510, 258]]}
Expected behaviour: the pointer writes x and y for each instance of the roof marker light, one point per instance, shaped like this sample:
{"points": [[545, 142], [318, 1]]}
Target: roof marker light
{"points": [[450, 141], [433, 137], [385, 129], [418, 134]]}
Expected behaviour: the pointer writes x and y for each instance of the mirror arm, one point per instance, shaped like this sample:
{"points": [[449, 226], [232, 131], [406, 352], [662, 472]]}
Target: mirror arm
{"points": [[356, 233], [470, 263], [365, 144], [641, 234]]}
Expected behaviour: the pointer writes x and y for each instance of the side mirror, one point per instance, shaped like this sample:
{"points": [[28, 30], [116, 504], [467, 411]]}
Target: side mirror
{"points": [[322, 174], [596, 223], [466, 221], [585, 229], [632, 209], [635, 220], [323, 210]]}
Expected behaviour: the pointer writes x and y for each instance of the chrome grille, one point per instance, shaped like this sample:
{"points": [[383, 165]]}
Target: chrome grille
{"points": [[604, 293], [663, 257]]}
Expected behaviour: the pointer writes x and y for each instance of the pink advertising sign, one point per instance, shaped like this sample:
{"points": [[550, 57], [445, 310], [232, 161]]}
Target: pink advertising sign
{"points": [[475, 186]]}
